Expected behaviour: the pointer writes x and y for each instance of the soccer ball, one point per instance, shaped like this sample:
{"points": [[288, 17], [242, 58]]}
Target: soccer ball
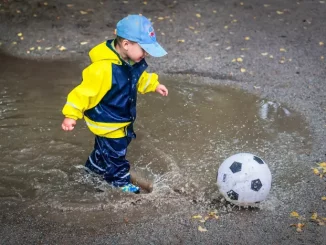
{"points": [[244, 179]]}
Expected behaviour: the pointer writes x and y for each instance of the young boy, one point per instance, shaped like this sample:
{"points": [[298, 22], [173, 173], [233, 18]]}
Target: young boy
{"points": [[106, 98]]}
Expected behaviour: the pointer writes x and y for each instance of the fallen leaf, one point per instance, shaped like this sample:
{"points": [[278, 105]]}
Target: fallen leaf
{"points": [[247, 38], [271, 56], [62, 48], [264, 54], [20, 34], [279, 12], [181, 40], [234, 60], [323, 198], [244, 49], [226, 27], [228, 48], [208, 58], [197, 217], [201, 229], [294, 214], [21, 38], [39, 48], [214, 11], [314, 216], [241, 3], [202, 221], [48, 48], [243, 70], [239, 59], [32, 48], [198, 15], [299, 227], [316, 171], [70, 5], [83, 43], [144, 2], [160, 18], [83, 12], [234, 21], [45, 3], [191, 27], [282, 49], [322, 164], [321, 43], [266, 5]]}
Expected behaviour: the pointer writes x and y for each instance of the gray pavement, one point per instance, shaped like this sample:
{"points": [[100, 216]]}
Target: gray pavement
{"points": [[281, 44]]}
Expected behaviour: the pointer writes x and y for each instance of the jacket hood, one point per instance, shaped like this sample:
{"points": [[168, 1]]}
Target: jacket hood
{"points": [[104, 51]]}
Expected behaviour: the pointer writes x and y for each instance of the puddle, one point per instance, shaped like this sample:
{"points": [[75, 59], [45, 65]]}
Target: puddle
{"points": [[181, 139]]}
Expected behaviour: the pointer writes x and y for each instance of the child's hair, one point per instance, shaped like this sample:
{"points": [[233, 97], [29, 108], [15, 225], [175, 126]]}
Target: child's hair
{"points": [[118, 40]]}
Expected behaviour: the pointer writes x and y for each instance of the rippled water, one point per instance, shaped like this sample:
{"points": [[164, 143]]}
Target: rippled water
{"points": [[181, 139]]}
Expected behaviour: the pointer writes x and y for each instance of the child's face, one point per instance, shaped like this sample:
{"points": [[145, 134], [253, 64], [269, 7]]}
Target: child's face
{"points": [[134, 51]]}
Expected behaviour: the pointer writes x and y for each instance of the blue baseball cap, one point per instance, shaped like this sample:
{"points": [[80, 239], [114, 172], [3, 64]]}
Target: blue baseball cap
{"points": [[138, 28]]}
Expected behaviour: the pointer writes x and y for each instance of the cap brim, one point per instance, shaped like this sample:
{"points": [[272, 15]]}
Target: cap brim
{"points": [[154, 49]]}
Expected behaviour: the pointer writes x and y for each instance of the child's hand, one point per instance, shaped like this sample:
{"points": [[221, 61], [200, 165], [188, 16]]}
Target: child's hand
{"points": [[161, 89], [68, 124]]}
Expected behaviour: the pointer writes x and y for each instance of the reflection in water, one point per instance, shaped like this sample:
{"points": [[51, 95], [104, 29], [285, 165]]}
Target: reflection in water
{"points": [[181, 139]]}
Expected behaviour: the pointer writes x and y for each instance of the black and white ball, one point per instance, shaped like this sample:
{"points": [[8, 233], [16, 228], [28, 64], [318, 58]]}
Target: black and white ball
{"points": [[244, 179]]}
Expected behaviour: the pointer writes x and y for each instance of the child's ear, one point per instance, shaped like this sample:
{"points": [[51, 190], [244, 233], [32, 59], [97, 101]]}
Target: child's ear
{"points": [[125, 44]]}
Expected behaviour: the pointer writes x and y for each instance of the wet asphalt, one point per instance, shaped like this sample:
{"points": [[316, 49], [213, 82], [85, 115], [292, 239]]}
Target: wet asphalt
{"points": [[282, 51]]}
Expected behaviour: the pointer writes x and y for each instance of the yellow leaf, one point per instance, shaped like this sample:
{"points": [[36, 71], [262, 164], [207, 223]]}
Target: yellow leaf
{"points": [[282, 49], [197, 217], [181, 40], [201, 229], [322, 164], [32, 48], [208, 58], [247, 38], [321, 43], [48, 48], [299, 227], [20, 34], [271, 56], [45, 3], [279, 12], [294, 214], [214, 11], [316, 171], [202, 221], [62, 48], [323, 198], [234, 60], [144, 2], [160, 18], [264, 54], [83, 12], [243, 70], [314, 216], [39, 48], [83, 43], [198, 15], [228, 48], [239, 59], [14, 43], [191, 27], [226, 27]]}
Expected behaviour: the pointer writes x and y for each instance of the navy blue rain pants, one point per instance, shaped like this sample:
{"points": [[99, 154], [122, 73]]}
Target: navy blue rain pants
{"points": [[109, 159]]}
